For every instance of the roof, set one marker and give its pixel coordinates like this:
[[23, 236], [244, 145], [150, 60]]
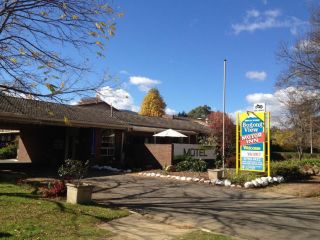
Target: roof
[[161, 123], [33, 111], [151, 124], [21, 110]]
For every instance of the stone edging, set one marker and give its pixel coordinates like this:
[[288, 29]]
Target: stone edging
[[258, 182]]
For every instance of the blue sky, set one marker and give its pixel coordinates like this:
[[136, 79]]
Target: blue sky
[[179, 46]]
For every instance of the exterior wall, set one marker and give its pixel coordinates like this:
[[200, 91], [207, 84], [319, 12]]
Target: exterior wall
[[41, 145], [147, 156], [22, 153], [161, 152], [49, 145]]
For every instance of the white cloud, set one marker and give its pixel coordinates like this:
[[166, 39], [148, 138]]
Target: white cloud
[[253, 13], [124, 72], [272, 13], [170, 111], [73, 102], [144, 84], [119, 98], [261, 76], [256, 20], [273, 102]]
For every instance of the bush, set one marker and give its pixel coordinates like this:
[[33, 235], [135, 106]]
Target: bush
[[191, 164], [278, 156], [241, 177], [75, 169], [290, 169], [309, 162], [178, 159], [9, 151], [55, 189]]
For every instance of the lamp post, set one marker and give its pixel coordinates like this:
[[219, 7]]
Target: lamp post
[[223, 115]]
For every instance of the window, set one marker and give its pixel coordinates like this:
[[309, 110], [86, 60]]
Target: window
[[107, 143]]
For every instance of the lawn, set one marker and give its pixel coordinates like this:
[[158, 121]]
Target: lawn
[[25, 215], [201, 235]]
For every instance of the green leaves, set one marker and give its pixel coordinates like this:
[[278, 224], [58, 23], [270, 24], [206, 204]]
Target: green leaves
[[75, 169], [51, 87]]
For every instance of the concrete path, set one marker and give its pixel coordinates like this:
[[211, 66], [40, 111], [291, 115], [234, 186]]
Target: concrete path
[[243, 213], [140, 227]]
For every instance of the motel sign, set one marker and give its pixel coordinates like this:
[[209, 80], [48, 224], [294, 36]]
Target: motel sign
[[253, 141]]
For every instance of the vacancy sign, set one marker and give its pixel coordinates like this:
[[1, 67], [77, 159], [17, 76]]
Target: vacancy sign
[[252, 141]]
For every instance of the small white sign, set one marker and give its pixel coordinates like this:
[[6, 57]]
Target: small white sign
[[193, 150], [259, 107], [250, 154]]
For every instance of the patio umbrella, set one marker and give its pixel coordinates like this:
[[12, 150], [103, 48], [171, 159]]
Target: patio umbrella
[[169, 133]]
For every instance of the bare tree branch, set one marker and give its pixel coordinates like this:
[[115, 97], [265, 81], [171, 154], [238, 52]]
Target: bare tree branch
[[33, 36]]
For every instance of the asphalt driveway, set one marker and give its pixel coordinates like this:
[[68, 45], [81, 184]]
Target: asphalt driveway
[[238, 212]]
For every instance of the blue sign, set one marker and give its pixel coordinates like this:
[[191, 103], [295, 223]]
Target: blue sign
[[252, 138]]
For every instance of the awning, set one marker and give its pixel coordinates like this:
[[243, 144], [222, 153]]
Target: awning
[[169, 133]]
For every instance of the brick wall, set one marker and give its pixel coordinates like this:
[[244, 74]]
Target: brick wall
[[147, 156], [161, 152]]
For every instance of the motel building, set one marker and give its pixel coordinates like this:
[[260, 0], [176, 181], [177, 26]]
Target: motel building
[[50, 132]]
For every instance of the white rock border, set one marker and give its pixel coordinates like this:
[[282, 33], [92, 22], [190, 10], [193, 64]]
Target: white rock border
[[263, 182], [258, 182]]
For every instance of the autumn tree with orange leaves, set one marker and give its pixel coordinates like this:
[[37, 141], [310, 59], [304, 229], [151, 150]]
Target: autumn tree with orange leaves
[[153, 104], [215, 123]]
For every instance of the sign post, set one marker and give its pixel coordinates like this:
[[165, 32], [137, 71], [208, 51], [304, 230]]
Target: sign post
[[252, 128]]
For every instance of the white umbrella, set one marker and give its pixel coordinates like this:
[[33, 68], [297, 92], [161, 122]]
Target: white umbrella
[[169, 133]]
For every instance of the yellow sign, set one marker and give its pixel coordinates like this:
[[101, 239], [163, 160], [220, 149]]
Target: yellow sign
[[251, 146]]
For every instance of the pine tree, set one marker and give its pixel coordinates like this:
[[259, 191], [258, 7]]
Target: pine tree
[[153, 104]]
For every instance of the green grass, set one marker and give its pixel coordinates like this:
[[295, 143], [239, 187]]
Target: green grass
[[201, 235], [25, 215]]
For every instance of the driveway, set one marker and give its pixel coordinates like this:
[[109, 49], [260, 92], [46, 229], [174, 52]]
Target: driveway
[[238, 212]]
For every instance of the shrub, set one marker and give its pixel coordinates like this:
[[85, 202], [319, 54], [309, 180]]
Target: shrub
[[191, 164], [75, 169], [293, 155], [9, 151], [290, 169], [241, 177], [231, 162], [310, 162], [178, 159], [55, 189]]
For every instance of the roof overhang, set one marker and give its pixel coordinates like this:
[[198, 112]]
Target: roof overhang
[[21, 119]]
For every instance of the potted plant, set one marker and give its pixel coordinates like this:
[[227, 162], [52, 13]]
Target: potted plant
[[77, 192], [217, 172]]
